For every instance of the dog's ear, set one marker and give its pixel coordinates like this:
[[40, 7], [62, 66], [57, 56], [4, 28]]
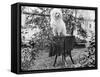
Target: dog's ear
[[51, 13]]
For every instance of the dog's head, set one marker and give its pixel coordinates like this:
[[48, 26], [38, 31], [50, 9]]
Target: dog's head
[[56, 14]]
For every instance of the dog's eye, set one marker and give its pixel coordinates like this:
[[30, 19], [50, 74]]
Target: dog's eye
[[57, 14]]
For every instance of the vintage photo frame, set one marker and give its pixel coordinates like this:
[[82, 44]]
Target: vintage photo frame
[[17, 65]]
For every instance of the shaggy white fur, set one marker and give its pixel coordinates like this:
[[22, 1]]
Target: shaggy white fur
[[57, 24]]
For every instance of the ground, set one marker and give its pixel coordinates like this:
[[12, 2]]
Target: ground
[[45, 62]]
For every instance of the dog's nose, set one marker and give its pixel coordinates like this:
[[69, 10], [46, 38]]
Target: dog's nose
[[57, 15]]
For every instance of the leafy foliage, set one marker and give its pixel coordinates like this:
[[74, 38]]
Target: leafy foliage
[[38, 31]]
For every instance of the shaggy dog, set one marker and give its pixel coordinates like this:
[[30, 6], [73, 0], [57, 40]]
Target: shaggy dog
[[57, 24], [59, 29]]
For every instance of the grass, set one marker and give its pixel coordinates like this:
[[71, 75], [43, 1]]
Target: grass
[[45, 62]]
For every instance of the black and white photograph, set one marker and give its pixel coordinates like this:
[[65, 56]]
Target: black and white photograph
[[56, 38], [49, 38]]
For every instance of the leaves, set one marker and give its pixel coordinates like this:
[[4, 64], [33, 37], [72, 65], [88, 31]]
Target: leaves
[[36, 35]]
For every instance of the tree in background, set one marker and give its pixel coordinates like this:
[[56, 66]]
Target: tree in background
[[36, 25]]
